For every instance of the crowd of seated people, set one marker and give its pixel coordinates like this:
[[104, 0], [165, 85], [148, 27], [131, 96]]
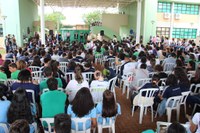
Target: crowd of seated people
[[139, 59]]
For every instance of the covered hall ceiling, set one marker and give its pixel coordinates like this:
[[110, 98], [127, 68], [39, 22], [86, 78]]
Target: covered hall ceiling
[[86, 3]]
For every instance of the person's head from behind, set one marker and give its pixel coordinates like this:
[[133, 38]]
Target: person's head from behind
[[62, 123], [181, 74], [109, 104], [21, 64], [158, 68], [20, 107], [3, 90], [176, 128], [19, 126], [52, 84], [98, 75], [24, 75], [48, 72], [78, 74], [155, 79], [191, 65], [83, 102], [12, 67], [143, 66], [171, 80]]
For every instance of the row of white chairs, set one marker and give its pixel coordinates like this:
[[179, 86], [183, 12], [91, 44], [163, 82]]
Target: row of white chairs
[[105, 124]]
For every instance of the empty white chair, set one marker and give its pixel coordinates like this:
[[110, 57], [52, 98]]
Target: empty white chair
[[169, 67], [34, 68], [83, 121], [107, 123], [183, 99], [144, 101], [49, 122], [173, 103], [63, 66], [97, 94], [5, 127], [111, 63], [88, 75]]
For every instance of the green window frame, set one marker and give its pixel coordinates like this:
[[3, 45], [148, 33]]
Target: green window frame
[[164, 7], [184, 33], [186, 9]]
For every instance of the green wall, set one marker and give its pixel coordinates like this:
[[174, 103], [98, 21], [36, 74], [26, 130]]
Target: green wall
[[20, 15], [28, 13]]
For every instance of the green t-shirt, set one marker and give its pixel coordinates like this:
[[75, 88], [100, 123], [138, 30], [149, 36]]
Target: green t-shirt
[[43, 84], [14, 75], [3, 76], [53, 103]]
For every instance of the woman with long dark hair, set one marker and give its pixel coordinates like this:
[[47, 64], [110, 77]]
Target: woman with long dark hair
[[20, 108], [183, 81], [109, 107], [83, 107], [36, 61]]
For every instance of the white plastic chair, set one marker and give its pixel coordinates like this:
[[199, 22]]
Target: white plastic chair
[[145, 101], [97, 94], [111, 63], [183, 99], [194, 89], [112, 83], [49, 122], [37, 75], [173, 103], [83, 121], [117, 69], [169, 67], [34, 68], [142, 82], [164, 125], [69, 76], [189, 76], [63, 66], [126, 83], [3, 81], [88, 75], [107, 123], [5, 128], [99, 58]]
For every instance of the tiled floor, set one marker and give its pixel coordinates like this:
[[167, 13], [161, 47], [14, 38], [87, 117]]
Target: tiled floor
[[125, 123]]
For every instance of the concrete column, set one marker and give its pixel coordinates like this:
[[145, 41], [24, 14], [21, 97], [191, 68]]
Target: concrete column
[[198, 29], [172, 20], [42, 22], [138, 27]]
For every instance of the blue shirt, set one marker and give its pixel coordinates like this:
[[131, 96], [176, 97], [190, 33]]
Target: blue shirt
[[99, 109], [4, 106], [172, 91], [91, 114]]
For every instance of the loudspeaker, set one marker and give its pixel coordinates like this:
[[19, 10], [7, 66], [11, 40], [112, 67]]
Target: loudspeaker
[[51, 32], [102, 32]]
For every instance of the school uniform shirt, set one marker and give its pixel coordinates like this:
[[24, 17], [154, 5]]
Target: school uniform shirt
[[3, 75], [99, 109], [3, 111], [14, 75], [91, 114], [97, 84], [53, 103], [43, 84], [172, 91], [196, 121]]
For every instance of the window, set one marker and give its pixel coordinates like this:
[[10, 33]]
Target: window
[[186, 9], [164, 7], [184, 33], [163, 31]]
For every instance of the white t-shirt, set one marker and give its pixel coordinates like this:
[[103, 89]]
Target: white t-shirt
[[97, 84], [129, 67], [73, 84], [196, 121]]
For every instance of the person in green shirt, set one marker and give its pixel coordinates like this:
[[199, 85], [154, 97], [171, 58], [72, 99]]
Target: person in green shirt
[[52, 101], [48, 73], [2, 74], [14, 71]]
